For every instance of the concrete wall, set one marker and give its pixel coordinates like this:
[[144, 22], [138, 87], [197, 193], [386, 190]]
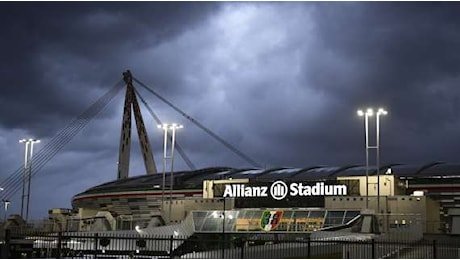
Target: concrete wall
[[433, 217], [395, 211], [388, 185]]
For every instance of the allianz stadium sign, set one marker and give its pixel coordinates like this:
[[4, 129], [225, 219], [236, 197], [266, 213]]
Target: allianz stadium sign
[[279, 190]]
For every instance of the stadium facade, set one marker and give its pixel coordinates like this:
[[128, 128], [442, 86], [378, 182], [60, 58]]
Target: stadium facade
[[430, 192], [141, 201]]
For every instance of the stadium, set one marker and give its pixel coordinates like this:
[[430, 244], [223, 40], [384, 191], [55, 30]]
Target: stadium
[[397, 194], [141, 199], [216, 208]]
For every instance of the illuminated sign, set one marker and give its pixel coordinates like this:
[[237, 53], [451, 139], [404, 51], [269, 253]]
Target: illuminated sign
[[279, 190]]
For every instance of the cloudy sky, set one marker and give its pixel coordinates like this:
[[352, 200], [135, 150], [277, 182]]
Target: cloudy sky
[[279, 81]]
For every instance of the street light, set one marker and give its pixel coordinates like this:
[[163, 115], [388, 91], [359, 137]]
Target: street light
[[6, 203], [165, 131], [223, 231], [173, 128], [381, 111], [27, 177], [369, 112]]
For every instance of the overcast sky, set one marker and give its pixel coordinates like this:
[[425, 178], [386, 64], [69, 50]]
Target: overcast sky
[[279, 81]]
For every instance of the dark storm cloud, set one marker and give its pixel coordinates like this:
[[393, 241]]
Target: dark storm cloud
[[280, 81], [52, 50], [57, 58], [404, 57]]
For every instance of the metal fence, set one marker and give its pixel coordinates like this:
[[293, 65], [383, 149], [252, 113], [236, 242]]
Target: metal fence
[[105, 245]]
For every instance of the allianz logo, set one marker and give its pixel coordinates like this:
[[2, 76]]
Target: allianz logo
[[279, 190]]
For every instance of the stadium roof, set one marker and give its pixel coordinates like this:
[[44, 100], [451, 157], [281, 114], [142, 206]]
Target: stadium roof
[[194, 179]]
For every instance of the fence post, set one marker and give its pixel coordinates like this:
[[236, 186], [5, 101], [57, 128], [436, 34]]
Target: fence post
[[96, 236], [308, 248], [59, 241], [373, 249], [434, 248], [171, 240], [223, 246], [242, 248], [7, 243]]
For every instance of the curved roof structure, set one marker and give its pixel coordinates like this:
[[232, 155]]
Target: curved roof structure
[[194, 179], [141, 195]]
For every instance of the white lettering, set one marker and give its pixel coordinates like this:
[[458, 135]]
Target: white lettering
[[264, 192], [295, 189], [228, 191], [340, 190], [241, 191], [247, 192], [315, 190], [307, 191]]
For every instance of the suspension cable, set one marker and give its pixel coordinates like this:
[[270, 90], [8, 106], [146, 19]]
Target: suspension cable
[[158, 121], [215, 136], [14, 182]]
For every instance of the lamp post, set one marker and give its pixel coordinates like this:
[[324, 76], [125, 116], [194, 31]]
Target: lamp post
[[165, 145], [27, 176], [223, 230], [173, 128], [381, 111], [6, 203], [26, 155], [369, 112]]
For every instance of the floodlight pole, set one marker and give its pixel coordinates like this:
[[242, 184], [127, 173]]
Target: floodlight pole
[[165, 156], [173, 140], [30, 175], [378, 160], [369, 112], [223, 230], [24, 175], [381, 111], [27, 176], [173, 128], [6, 203], [367, 158]]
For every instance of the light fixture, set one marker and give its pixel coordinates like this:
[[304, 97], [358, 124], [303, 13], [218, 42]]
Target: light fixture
[[27, 176], [173, 127]]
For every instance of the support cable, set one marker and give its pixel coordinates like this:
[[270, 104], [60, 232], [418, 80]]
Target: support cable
[[158, 121], [215, 136], [14, 182], [16, 178]]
